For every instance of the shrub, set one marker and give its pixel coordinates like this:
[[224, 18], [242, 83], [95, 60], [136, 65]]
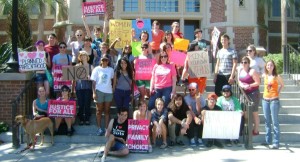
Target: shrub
[[278, 59], [3, 127]]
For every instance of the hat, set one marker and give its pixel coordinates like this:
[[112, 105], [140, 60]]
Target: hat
[[212, 96], [197, 30], [38, 42], [226, 87], [193, 85], [104, 57]]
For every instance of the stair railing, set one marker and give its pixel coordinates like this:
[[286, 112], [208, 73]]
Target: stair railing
[[293, 64]]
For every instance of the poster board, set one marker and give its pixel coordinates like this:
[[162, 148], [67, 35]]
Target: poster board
[[140, 25], [177, 57], [143, 68], [65, 109], [58, 78], [32, 61], [181, 44], [138, 135], [75, 73], [120, 29], [215, 38], [198, 62], [93, 8]]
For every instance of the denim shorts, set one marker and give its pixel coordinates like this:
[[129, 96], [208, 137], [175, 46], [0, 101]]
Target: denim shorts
[[40, 77], [103, 97], [118, 146]]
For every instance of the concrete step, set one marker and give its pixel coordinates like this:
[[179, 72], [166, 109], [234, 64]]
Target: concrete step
[[284, 118], [284, 137], [285, 110]]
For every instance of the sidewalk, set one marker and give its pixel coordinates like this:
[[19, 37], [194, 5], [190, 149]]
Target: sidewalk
[[88, 153]]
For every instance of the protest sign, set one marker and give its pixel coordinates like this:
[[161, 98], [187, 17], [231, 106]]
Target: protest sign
[[221, 124], [65, 109], [136, 48], [76, 73], [120, 29], [143, 68], [58, 78], [181, 44], [138, 135], [215, 38], [31, 61], [140, 25], [93, 8], [178, 58], [198, 62]]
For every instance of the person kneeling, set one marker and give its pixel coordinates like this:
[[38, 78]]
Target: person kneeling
[[116, 135]]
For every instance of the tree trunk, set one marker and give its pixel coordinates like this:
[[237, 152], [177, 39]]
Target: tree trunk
[[284, 37], [41, 20]]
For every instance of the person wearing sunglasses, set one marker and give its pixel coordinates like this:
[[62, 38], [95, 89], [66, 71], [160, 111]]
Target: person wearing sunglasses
[[228, 102], [163, 80], [62, 58], [76, 45], [249, 81], [257, 63], [195, 102]]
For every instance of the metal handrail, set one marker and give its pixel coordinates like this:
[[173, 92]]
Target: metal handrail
[[293, 64], [27, 95]]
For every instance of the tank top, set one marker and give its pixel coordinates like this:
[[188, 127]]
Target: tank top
[[270, 88], [119, 130], [123, 82], [42, 106], [248, 80], [91, 60]]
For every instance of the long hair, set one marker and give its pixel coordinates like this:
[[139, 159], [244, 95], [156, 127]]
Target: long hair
[[253, 48], [172, 104], [159, 60], [128, 68], [165, 36], [274, 72]]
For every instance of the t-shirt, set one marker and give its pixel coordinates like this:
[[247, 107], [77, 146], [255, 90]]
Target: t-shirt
[[216, 108], [163, 74], [179, 113], [156, 40], [61, 59], [102, 77], [226, 57], [258, 65], [192, 102], [202, 44], [120, 130], [52, 50], [231, 104], [75, 46]]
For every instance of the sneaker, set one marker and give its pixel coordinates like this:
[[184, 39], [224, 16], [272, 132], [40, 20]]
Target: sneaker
[[103, 159], [163, 146], [275, 146], [237, 143], [228, 143], [150, 148], [100, 153], [192, 142], [218, 144], [172, 143], [100, 132], [200, 143], [180, 143]]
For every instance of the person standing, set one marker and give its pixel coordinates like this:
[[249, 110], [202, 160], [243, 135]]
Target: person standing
[[256, 63], [76, 45], [52, 48], [157, 37], [225, 66], [273, 84]]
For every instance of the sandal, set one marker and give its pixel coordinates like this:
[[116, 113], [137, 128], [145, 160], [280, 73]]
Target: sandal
[[164, 145]]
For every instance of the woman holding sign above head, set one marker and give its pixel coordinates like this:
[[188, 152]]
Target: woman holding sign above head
[[176, 30], [84, 90], [76, 45]]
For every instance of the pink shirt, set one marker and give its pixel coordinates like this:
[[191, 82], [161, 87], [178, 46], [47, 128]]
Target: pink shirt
[[163, 74]]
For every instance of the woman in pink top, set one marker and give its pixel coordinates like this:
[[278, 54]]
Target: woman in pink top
[[163, 81]]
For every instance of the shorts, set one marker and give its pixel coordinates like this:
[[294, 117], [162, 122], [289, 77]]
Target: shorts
[[103, 97], [255, 97], [118, 146], [143, 83], [40, 77]]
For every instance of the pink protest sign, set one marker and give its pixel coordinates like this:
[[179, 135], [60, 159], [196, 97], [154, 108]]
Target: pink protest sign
[[31, 61], [58, 78], [138, 135], [178, 58], [93, 8], [143, 68], [57, 108]]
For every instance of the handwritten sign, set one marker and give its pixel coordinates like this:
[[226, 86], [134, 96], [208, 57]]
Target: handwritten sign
[[120, 29], [138, 135], [143, 69], [57, 108], [58, 78], [75, 72], [198, 62], [136, 48], [215, 38], [181, 44], [141, 25], [221, 124], [178, 58], [93, 8], [30, 61]]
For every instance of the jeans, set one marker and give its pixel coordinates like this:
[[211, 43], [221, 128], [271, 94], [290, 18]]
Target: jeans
[[84, 97], [164, 93], [195, 130], [271, 110], [122, 98]]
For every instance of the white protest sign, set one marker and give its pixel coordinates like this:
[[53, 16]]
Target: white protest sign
[[215, 38], [198, 62]]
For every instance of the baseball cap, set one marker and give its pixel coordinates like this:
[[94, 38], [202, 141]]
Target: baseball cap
[[228, 87]]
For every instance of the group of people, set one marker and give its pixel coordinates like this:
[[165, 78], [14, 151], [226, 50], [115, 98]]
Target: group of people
[[112, 76]]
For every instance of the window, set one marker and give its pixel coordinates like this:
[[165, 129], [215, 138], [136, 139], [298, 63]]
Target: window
[[130, 5], [161, 5], [297, 8], [242, 3], [276, 8], [192, 6]]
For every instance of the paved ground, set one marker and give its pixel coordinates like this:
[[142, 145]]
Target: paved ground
[[61, 152]]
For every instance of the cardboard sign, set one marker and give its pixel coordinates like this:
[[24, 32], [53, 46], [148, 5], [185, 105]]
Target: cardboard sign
[[138, 135], [181, 44], [120, 29], [65, 109], [198, 62], [75, 73], [215, 38], [222, 124], [143, 69], [31, 61], [93, 8], [136, 48], [139, 26], [178, 58], [58, 78]]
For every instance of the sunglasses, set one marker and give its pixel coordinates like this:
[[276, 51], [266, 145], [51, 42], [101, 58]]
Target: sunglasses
[[244, 62], [226, 90], [62, 47], [78, 35], [165, 56], [248, 50], [192, 90]]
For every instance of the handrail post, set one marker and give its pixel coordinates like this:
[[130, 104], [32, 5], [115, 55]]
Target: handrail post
[[15, 139], [249, 114]]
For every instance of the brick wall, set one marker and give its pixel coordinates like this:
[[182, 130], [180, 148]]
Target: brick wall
[[217, 11], [242, 37]]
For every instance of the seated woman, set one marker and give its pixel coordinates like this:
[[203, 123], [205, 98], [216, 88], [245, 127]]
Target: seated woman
[[65, 96], [40, 105], [158, 121]]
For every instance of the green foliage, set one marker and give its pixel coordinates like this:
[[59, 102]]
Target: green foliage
[[278, 59], [5, 52], [3, 127]]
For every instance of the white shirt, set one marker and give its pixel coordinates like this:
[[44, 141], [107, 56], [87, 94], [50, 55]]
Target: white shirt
[[102, 77]]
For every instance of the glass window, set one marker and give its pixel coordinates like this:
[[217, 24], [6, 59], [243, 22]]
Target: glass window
[[130, 5], [242, 3], [276, 8], [192, 6], [161, 5], [297, 8]]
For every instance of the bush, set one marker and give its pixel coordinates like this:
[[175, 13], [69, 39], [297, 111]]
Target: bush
[[3, 127], [278, 59]]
